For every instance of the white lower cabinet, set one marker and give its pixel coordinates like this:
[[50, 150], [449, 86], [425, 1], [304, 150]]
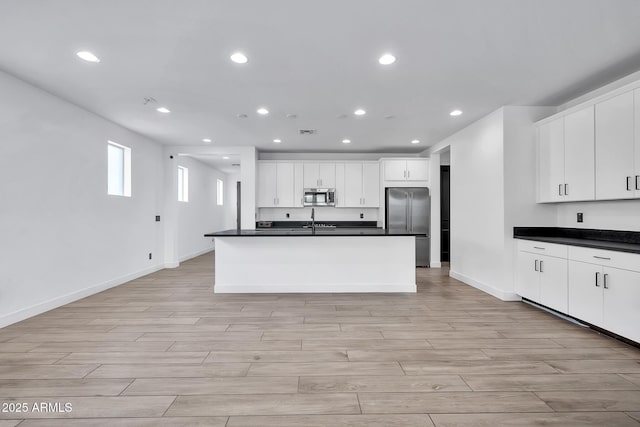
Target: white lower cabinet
[[543, 279], [606, 297], [621, 302]]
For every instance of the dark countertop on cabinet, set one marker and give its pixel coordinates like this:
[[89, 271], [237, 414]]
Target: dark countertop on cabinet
[[611, 240], [306, 232]]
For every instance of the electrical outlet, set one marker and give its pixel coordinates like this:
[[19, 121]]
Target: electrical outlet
[[150, 255], [580, 217], [361, 215], [157, 218], [287, 214]]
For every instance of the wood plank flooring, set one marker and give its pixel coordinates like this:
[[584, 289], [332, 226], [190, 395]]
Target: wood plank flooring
[[163, 350]]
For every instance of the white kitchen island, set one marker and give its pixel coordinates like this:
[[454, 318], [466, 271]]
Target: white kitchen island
[[300, 261]]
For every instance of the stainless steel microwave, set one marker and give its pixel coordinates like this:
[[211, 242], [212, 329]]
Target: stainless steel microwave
[[319, 197]]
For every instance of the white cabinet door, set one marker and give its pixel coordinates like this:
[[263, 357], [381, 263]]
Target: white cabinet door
[[311, 175], [298, 185], [284, 185], [622, 302], [267, 185], [637, 142], [585, 292], [371, 185], [579, 156], [327, 175], [551, 161], [417, 170], [553, 283], [615, 172], [527, 278], [395, 170], [353, 184]]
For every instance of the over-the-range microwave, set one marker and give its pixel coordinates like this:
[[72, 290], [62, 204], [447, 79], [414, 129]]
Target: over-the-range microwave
[[319, 197]]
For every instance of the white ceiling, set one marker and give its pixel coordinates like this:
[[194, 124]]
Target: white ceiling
[[316, 59]]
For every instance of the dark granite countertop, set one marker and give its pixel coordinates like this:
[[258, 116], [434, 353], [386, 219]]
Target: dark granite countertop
[[611, 240], [305, 232]]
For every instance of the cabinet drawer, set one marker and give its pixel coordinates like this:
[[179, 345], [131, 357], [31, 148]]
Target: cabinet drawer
[[542, 248], [622, 260]]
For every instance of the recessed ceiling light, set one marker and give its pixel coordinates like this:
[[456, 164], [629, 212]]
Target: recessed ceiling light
[[239, 58], [455, 113], [346, 141], [88, 56], [387, 59], [206, 140], [263, 111], [277, 141], [415, 141], [359, 112], [163, 110], [225, 157]]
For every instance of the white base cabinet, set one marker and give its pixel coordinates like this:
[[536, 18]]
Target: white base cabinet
[[606, 297], [542, 278], [596, 286]]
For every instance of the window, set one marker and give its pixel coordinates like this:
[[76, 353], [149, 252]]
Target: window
[[183, 184], [118, 169], [219, 193]]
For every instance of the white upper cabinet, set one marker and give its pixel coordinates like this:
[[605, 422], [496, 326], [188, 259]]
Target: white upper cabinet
[[636, 176], [371, 184], [551, 161], [592, 153], [566, 161], [406, 170], [362, 184], [615, 169], [579, 157], [275, 185], [319, 175], [267, 184]]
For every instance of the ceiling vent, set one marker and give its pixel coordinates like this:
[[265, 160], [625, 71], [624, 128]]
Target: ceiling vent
[[307, 131]]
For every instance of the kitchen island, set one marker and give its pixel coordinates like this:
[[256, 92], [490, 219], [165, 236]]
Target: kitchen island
[[302, 260]]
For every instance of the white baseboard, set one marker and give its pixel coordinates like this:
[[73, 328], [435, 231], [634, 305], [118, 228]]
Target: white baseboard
[[45, 306], [504, 296], [436, 264], [226, 288], [194, 254]]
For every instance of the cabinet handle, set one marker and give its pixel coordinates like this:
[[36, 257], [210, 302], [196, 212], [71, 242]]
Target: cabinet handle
[[559, 189], [602, 257], [597, 276], [541, 264], [363, 201], [628, 183], [408, 174], [405, 174], [535, 267], [566, 189], [538, 247], [606, 285], [637, 182]]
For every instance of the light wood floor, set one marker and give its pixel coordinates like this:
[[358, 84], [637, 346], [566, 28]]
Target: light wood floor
[[163, 350]]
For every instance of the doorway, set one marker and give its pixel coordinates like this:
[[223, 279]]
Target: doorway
[[238, 206], [445, 204]]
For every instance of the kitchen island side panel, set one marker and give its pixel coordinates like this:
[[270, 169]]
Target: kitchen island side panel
[[305, 264]]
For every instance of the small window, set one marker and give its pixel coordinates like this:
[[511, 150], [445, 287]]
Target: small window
[[183, 184], [220, 192], [118, 169]]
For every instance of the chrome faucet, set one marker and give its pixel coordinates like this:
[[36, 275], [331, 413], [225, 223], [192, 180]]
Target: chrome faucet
[[313, 220]]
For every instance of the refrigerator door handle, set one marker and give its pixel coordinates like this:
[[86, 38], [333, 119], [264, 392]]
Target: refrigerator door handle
[[411, 212]]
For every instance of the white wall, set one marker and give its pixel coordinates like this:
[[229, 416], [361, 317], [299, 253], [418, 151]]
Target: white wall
[[492, 190], [230, 200], [609, 215], [477, 203], [201, 214], [63, 237], [323, 214]]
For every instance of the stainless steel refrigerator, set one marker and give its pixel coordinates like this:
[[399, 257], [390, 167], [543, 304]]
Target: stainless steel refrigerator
[[409, 209]]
